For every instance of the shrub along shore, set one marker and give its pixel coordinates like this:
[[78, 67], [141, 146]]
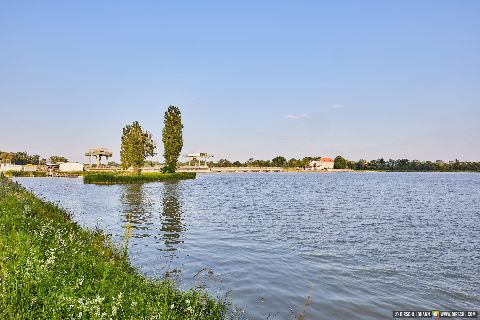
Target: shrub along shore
[[117, 178], [51, 268], [25, 174]]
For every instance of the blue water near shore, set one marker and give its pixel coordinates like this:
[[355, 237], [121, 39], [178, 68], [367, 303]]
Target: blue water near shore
[[279, 245]]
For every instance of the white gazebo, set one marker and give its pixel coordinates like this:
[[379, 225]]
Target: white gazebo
[[97, 153]]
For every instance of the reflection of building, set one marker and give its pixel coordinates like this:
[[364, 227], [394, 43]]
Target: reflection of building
[[97, 153], [197, 158]]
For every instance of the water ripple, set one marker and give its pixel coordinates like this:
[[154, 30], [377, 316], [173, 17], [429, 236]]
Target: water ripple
[[322, 246]]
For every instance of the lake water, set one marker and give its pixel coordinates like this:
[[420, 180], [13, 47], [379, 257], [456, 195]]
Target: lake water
[[287, 245]]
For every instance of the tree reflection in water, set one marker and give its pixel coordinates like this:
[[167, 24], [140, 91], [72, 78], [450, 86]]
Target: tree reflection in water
[[172, 216], [137, 209], [147, 216]]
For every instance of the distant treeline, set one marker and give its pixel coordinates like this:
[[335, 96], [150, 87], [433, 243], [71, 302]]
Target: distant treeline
[[275, 162], [20, 158], [342, 163], [23, 158], [413, 165]]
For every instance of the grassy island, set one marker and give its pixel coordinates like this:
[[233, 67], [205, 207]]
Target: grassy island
[[51, 268], [119, 178]]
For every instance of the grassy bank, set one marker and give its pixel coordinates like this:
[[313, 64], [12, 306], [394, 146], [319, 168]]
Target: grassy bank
[[50, 268], [25, 174], [116, 178]]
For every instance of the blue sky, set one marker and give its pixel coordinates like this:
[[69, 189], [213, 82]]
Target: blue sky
[[362, 79]]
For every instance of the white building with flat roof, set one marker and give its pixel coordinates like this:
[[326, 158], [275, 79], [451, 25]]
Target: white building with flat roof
[[321, 164], [70, 167], [315, 165]]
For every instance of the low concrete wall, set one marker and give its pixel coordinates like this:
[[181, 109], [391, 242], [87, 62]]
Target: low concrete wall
[[10, 167]]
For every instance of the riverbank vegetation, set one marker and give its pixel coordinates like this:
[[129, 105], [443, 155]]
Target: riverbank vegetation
[[413, 165], [125, 178], [20, 158], [23, 158], [342, 163], [51, 268], [25, 174]]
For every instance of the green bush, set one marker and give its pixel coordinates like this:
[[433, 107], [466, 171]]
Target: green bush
[[26, 174]]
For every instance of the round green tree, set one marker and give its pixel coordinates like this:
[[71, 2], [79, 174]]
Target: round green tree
[[279, 161], [57, 159], [136, 146], [339, 163], [172, 138]]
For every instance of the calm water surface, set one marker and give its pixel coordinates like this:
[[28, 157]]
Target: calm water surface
[[282, 245]]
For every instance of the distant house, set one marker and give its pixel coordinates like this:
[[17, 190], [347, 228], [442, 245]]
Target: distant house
[[315, 165], [320, 164], [327, 163]]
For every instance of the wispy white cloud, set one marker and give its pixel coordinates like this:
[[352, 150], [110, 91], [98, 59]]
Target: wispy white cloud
[[296, 116], [338, 106]]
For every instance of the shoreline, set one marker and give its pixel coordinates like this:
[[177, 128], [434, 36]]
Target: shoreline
[[51, 268]]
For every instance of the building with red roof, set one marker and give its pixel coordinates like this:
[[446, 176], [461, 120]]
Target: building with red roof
[[327, 163], [321, 164]]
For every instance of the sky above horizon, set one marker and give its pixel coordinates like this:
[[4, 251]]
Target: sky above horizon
[[253, 79]]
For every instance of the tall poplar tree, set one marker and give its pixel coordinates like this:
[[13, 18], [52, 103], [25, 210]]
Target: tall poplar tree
[[136, 146], [172, 138]]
